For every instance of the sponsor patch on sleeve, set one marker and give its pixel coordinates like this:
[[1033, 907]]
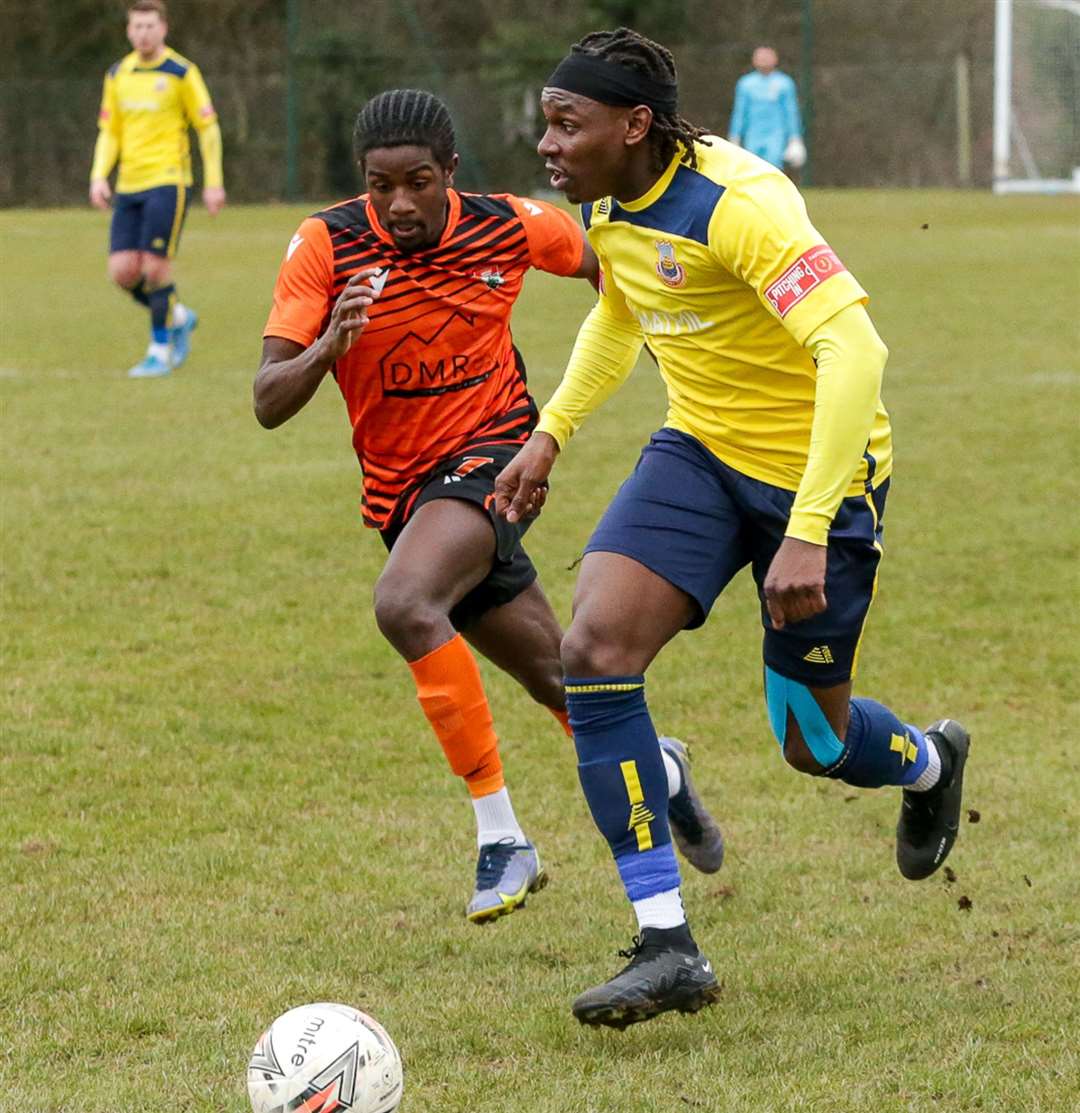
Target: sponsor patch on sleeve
[[808, 271]]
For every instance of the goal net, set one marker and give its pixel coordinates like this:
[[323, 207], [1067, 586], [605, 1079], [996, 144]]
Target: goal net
[[1037, 96]]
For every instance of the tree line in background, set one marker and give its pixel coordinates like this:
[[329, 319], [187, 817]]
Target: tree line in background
[[882, 80]]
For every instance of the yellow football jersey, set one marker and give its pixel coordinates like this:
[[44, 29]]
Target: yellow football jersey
[[148, 110], [724, 275]]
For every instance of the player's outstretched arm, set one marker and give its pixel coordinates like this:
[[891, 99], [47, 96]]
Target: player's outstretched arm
[[106, 147], [590, 265], [290, 373], [213, 193], [850, 358], [737, 124], [604, 354]]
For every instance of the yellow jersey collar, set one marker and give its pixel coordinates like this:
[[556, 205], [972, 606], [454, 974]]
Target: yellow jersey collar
[[139, 65], [656, 190]]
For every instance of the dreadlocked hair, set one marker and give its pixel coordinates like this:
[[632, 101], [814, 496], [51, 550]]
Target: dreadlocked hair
[[405, 118], [636, 52]]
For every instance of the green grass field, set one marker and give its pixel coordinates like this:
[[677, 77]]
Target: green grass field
[[219, 799]]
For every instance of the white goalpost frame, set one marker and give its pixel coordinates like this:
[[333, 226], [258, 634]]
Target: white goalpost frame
[[1006, 133]]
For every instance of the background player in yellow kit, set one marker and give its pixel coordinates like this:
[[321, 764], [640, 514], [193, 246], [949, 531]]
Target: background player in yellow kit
[[775, 452], [150, 99]]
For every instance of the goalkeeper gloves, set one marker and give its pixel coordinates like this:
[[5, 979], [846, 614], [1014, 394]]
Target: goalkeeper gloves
[[795, 152]]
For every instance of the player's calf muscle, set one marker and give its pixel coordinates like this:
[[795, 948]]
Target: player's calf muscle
[[798, 756], [543, 680]]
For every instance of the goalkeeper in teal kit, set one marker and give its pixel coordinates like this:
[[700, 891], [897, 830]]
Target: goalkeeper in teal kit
[[765, 119]]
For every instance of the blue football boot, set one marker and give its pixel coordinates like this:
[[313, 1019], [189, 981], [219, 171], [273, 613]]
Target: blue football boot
[[506, 873], [150, 367], [696, 832], [180, 338]]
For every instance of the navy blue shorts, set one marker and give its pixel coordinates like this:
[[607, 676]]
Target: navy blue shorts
[[150, 220], [696, 522]]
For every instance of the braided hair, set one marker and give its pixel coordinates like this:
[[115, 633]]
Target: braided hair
[[405, 118], [636, 52]]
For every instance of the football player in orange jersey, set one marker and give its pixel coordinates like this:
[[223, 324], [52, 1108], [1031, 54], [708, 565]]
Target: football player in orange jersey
[[404, 295]]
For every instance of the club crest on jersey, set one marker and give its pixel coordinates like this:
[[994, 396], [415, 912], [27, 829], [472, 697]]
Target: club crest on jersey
[[492, 278], [668, 267]]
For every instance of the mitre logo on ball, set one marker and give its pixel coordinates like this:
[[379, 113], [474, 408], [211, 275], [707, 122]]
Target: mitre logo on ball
[[325, 1058]]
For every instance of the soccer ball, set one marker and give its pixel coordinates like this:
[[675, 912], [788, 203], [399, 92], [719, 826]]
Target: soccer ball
[[325, 1059]]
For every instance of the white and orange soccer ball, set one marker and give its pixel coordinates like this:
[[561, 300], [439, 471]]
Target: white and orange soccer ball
[[325, 1059]]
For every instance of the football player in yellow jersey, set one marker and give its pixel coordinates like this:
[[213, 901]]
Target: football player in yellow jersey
[[775, 453], [149, 100]]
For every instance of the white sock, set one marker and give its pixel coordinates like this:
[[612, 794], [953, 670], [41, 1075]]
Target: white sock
[[495, 819], [931, 774], [158, 351], [179, 315], [674, 774], [664, 910]]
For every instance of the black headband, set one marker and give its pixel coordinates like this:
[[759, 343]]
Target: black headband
[[612, 83]]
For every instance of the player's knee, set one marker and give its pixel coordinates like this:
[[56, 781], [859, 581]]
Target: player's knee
[[590, 650], [402, 619], [125, 272], [155, 270]]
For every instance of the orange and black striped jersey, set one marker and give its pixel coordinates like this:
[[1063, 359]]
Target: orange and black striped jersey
[[435, 372]]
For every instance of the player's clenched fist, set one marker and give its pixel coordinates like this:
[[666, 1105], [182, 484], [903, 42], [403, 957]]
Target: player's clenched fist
[[349, 316], [521, 487], [795, 583], [100, 193]]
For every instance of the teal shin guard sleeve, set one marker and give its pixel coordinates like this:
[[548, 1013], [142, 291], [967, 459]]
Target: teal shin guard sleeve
[[776, 703], [782, 695]]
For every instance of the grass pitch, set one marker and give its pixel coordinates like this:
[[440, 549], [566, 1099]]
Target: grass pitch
[[218, 798]]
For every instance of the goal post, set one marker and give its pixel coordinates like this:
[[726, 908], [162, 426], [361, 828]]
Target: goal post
[[1037, 96]]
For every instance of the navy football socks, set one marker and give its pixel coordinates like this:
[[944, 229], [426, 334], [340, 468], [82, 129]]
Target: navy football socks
[[159, 312], [879, 749], [138, 292], [622, 774]]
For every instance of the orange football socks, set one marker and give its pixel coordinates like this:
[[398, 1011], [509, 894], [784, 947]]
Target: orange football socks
[[450, 691]]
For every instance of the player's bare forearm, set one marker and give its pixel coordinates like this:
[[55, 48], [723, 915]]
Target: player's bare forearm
[[521, 487], [287, 379], [290, 373], [590, 266]]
